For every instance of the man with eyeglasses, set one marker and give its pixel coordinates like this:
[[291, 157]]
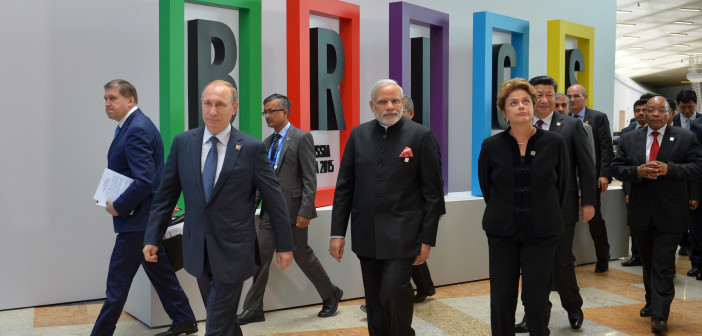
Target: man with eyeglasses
[[658, 160], [603, 153], [292, 155], [390, 184]]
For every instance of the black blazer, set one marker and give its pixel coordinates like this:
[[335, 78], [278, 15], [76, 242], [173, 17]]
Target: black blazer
[[604, 151], [549, 180], [394, 202], [664, 200], [579, 161]]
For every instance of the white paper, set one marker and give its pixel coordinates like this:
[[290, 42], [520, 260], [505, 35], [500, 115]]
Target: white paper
[[174, 230], [112, 184]]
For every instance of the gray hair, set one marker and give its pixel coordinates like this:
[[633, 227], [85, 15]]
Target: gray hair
[[559, 95], [381, 83], [126, 89], [409, 104], [282, 100]]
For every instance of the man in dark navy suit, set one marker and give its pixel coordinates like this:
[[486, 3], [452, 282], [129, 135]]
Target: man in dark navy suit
[[136, 152], [218, 169]]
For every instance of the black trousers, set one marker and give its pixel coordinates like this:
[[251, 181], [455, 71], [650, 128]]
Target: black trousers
[[422, 279], [534, 257], [564, 271], [389, 302], [657, 250], [598, 232]]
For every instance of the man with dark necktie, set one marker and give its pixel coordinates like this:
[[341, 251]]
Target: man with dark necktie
[[137, 152], [292, 156], [218, 170]]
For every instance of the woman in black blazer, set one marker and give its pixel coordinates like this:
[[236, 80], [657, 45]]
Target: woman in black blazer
[[523, 174]]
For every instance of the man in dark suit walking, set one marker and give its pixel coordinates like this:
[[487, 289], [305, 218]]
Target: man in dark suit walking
[[136, 152], [658, 160], [292, 155], [580, 198], [603, 154], [390, 184], [218, 169], [687, 118]]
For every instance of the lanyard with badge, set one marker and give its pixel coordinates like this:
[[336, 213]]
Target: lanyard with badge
[[277, 151]]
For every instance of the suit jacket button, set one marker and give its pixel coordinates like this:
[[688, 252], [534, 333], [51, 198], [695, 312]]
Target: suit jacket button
[[377, 197], [384, 136]]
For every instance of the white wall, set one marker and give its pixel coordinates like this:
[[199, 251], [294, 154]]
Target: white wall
[[626, 92], [56, 55]]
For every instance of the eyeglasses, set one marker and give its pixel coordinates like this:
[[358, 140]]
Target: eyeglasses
[[576, 96], [270, 112], [661, 111]]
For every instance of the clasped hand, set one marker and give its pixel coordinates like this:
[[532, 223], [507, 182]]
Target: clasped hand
[[652, 170]]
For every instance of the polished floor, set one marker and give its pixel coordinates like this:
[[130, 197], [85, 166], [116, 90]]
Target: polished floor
[[612, 303]]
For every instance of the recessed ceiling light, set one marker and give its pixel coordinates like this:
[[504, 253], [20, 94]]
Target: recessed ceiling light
[[665, 75], [647, 59], [685, 82], [631, 36], [636, 48], [624, 11], [677, 34], [690, 9], [683, 22], [681, 45], [630, 24]]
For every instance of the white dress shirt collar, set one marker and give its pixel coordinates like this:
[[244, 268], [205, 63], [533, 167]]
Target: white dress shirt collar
[[121, 122]]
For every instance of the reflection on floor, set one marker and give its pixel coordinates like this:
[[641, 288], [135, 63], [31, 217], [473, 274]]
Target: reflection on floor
[[612, 303]]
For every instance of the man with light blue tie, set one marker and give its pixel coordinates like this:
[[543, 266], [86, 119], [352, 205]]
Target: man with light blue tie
[[218, 169], [136, 152], [687, 117]]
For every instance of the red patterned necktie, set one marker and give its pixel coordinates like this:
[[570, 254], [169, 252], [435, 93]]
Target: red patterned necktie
[[654, 147]]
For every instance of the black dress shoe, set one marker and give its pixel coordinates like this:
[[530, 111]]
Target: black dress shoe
[[363, 308], [659, 326], [576, 319], [330, 305], [693, 271], [521, 327], [180, 329], [645, 311], [699, 276], [682, 251], [421, 297], [601, 267], [250, 316], [634, 261]]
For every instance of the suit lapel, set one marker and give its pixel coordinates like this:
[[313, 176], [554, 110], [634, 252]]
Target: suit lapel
[[556, 123], [286, 143], [230, 158], [195, 151], [588, 116], [123, 130], [641, 133], [668, 138]]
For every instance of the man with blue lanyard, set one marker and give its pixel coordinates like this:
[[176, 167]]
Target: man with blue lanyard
[[291, 152]]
